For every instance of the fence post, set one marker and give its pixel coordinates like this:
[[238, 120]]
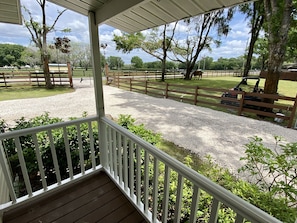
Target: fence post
[[30, 81], [146, 87], [53, 79], [4, 80], [69, 75], [196, 95], [118, 77], [241, 102], [130, 84], [290, 123], [37, 79], [166, 93]]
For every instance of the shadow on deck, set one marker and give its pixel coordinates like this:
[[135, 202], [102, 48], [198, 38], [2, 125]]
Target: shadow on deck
[[93, 199]]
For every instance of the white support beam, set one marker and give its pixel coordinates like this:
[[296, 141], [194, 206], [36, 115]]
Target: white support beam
[[98, 85], [96, 62]]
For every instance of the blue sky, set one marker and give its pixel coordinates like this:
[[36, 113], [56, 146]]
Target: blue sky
[[232, 46]]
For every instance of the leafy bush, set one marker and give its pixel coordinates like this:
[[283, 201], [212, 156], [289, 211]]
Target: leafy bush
[[265, 200], [28, 148], [274, 177], [273, 170], [129, 123]]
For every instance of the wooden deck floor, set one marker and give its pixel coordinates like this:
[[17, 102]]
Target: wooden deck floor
[[96, 199]]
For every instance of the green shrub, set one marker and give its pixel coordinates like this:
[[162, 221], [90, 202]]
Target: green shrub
[[273, 170], [129, 123], [265, 200], [28, 148]]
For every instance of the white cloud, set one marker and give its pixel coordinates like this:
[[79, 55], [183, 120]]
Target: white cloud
[[117, 32], [229, 49], [232, 46], [77, 25]]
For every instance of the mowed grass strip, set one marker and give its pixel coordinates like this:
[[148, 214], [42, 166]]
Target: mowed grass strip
[[12, 93], [286, 88]]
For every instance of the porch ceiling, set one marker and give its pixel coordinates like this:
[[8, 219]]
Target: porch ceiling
[[136, 15], [10, 11]]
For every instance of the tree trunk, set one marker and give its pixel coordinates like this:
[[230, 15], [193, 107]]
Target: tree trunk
[[164, 64], [188, 71], [278, 18], [48, 83], [254, 38], [271, 83], [256, 21], [188, 75], [163, 70], [247, 65]]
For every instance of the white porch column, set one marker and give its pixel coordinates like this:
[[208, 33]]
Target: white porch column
[[98, 86], [5, 178], [96, 62]]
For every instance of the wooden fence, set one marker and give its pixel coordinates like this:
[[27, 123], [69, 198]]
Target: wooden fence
[[283, 109], [34, 79], [156, 74], [284, 75]]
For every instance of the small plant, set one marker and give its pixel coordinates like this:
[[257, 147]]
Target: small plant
[[3, 126], [129, 123], [273, 170]]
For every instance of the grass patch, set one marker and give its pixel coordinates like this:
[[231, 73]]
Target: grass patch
[[179, 153], [81, 72], [287, 88], [31, 92]]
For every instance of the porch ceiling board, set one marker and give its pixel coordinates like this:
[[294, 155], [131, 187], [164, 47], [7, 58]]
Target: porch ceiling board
[[10, 11], [136, 15]]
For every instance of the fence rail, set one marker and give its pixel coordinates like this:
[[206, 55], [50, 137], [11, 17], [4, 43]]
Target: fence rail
[[282, 110], [34, 79], [156, 74]]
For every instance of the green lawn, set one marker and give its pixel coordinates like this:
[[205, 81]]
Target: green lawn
[[286, 88], [31, 92], [81, 72]]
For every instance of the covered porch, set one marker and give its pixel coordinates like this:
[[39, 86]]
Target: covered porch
[[140, 171], [93, 199], [134, 169]]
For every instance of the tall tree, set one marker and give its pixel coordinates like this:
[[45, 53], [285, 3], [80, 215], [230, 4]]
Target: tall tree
[[261, 49], [10, 54], [115, 62], [137, 62], [157, 43], [39, 31], [278, 14], [187, 51], [30, 56], [255, 13]]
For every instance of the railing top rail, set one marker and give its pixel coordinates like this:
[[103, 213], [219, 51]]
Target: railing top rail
[[28, 131], [239, 205]]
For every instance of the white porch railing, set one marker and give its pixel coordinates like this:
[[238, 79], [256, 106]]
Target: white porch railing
[[137, 167]]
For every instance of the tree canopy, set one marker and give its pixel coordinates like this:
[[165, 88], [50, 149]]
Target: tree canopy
[[10, 55], [157, 43], [137, 62], [39, 30]]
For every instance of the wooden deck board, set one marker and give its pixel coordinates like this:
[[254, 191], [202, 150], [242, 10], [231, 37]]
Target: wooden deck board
[[96, 199]]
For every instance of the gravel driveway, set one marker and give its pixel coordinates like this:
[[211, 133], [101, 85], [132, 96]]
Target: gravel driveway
[[202, 130]]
